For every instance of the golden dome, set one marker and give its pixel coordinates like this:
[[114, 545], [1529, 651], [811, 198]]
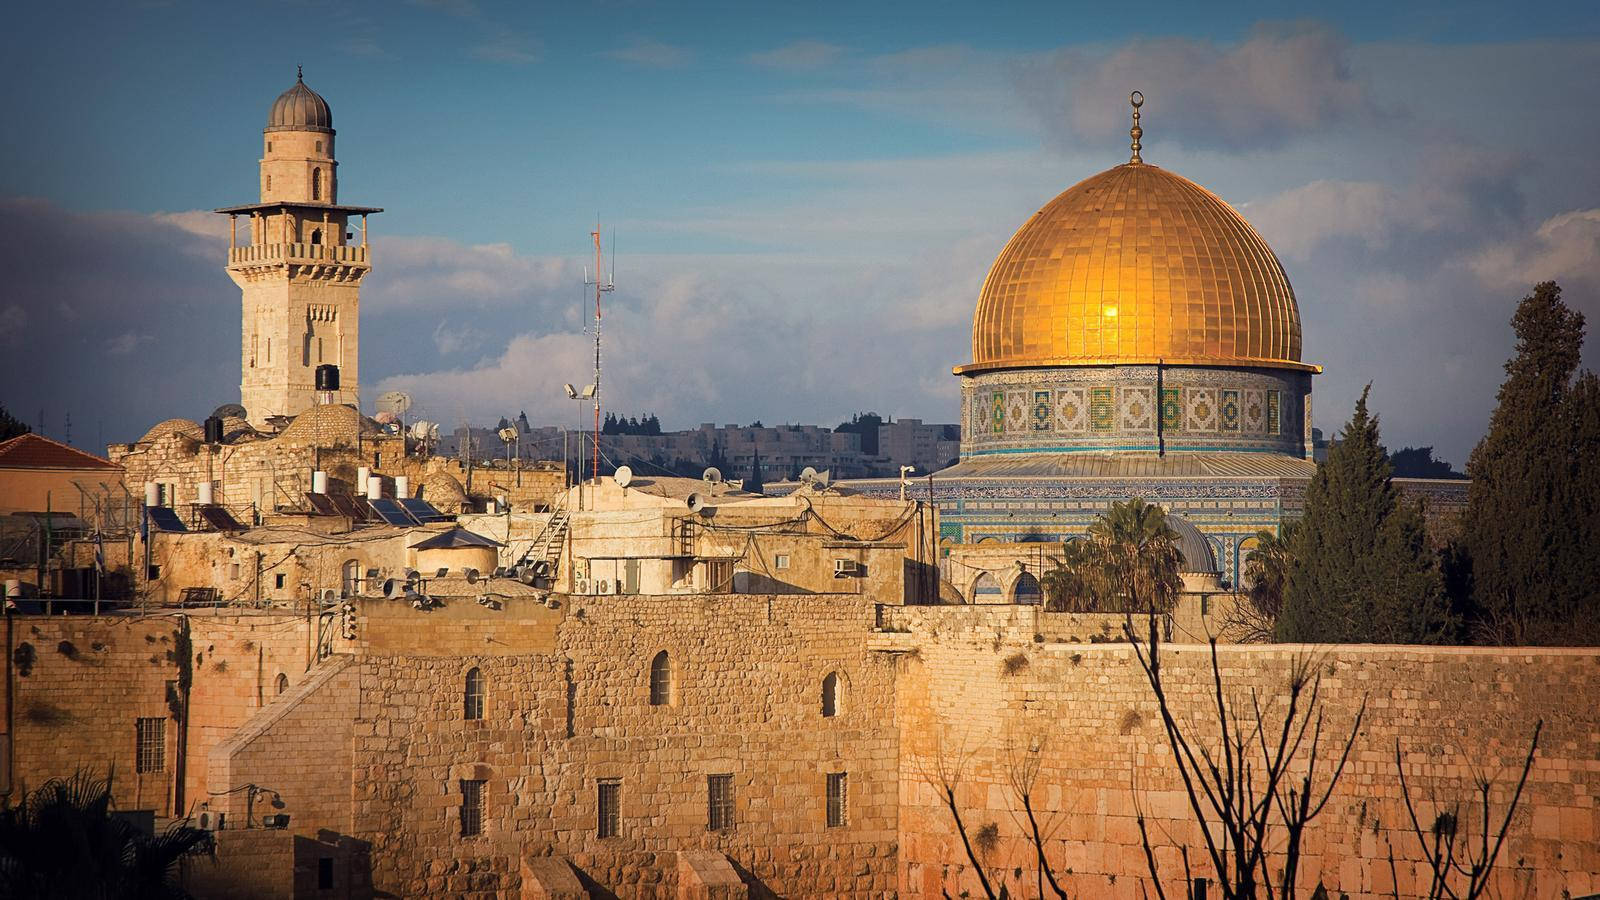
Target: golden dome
[[1136, 265]]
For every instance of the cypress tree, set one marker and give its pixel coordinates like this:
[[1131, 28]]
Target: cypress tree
[[1531, 508], [1362, 570]]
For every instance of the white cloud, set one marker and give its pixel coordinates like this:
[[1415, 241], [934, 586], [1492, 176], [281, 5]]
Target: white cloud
[[798, 56], [651, 53], [508, 46], [1564, 248], [1278, 83]]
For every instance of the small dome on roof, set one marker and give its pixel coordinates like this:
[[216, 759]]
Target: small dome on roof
[[329, 425], [1192, 546], [300, 109], [185, 427]]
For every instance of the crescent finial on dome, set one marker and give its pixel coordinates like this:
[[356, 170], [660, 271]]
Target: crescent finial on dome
[[1137, 99]]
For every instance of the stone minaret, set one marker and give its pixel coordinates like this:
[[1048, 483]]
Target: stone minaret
[[298, 265]]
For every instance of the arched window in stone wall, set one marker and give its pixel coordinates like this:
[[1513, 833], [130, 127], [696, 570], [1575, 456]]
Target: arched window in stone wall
[[283, 682], [985, 589], [316, 184], [474, 695], [831, 695], [1026, 590], [351, 577], [661, 680]]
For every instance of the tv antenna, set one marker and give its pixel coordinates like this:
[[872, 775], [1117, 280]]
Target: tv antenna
[[602, 286]]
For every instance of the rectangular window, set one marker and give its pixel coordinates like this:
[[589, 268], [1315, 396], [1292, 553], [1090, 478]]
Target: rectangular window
[[719, 576], [1274, 426], [471, 807], [151, 750], [609, 797], [781, 561], [719, 802], [838, 799]]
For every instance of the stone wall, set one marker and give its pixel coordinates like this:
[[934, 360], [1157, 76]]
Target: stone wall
[[78, 686], [567, 702], [975, 695]]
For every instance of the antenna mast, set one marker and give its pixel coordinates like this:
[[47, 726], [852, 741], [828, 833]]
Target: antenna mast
[[602, 286]]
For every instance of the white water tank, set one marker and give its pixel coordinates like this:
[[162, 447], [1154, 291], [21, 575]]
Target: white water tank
[[375, 487], [319, 482], [205, 493], [152, 494], [402, 486]]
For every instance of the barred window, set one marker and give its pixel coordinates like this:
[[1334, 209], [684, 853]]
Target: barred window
[[609, 802], [471, 807], [838, 799], [719, 802], [661, 680], [152, 744], [474, 695]]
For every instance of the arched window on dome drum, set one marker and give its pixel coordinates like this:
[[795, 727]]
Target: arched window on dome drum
[[830, 695], [316, 184], [1026, 590], [283, 682], [474, 695], [661, 680]]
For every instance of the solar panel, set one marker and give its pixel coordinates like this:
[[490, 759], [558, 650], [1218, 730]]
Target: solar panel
[[423, 511], [321, 505], [390, 512], [348, 507], [220, 519], [164, 519]]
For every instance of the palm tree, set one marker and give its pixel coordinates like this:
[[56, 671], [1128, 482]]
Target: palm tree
[[1266, 571], [1139, 552], [1076, 581], [62, 841]]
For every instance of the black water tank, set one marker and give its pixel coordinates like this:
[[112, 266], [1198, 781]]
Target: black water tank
[[327, 378], [213, 430]]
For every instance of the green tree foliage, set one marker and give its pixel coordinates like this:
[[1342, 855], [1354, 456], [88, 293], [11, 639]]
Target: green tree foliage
[[1362, 572], [1128, 563], [62, 841], [11, 426], [1418, 462], [1531, 524]]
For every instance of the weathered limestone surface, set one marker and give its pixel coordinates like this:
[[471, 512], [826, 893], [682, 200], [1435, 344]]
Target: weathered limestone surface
[[968, 708]]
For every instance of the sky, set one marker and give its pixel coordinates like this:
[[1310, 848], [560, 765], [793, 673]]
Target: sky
[[804, 198]]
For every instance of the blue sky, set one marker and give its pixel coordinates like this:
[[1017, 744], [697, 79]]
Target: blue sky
[[806, 197]]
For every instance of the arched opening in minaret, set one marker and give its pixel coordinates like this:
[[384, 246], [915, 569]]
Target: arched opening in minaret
[[316, 184]]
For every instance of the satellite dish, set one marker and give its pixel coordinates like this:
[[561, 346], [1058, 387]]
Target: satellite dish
[[712, 475], [623, 476], [808, 474], [396, 402], [230, 411]]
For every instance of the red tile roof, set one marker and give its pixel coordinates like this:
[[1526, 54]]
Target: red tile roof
[[30, 451]]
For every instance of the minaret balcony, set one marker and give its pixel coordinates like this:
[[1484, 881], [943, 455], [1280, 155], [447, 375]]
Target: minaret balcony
[[299, 254]]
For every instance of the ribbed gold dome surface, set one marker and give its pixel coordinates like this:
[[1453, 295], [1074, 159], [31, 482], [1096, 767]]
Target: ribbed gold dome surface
[[1136, 265]]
